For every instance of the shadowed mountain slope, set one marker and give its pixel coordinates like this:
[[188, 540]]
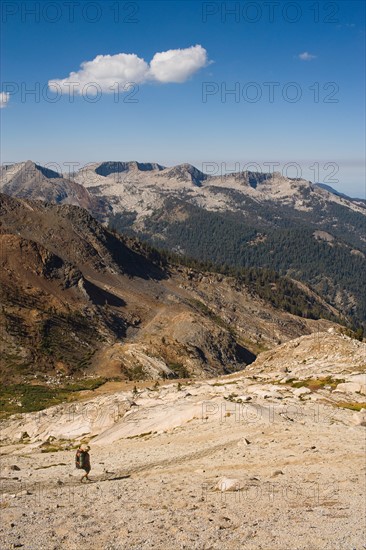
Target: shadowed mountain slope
[[78, 299]]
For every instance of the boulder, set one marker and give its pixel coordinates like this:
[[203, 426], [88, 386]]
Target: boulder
[[351, 387], [228, 484], [265, 394], [276, 473], [23, 493], [359, 419], [5, 496], [301, 391], [359, 378]]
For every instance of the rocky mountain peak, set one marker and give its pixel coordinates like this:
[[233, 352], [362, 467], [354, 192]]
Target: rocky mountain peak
[[186, 172], [31, 166], [256, 178], [114, 167], [32, 181]]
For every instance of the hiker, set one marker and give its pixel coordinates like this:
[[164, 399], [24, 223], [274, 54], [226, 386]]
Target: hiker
[[82, 461]]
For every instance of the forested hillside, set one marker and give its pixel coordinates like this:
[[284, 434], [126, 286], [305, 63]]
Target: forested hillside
[[330, 265]]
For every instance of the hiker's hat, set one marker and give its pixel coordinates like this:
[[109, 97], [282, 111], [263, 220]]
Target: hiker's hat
[[84, 447]]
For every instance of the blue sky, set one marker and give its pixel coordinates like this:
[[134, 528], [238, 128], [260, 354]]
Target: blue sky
[[310, 55]]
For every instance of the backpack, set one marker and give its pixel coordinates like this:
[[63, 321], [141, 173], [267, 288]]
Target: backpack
[[79, 459]]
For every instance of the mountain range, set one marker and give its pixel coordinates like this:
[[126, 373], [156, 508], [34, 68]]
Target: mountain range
[[78, 299], [306, 231]]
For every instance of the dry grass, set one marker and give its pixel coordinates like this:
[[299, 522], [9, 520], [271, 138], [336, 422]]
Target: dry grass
[[353, 406], [315, 384]]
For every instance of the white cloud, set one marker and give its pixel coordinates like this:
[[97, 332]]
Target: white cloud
[[4, 99], [306, 56], [177, 65], [107, 71]]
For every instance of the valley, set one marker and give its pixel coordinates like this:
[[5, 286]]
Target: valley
[[78, 300]]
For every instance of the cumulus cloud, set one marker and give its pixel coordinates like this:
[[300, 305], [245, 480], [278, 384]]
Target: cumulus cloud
[[306, 56], [108, 71], [4, 99], [177, 65]]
